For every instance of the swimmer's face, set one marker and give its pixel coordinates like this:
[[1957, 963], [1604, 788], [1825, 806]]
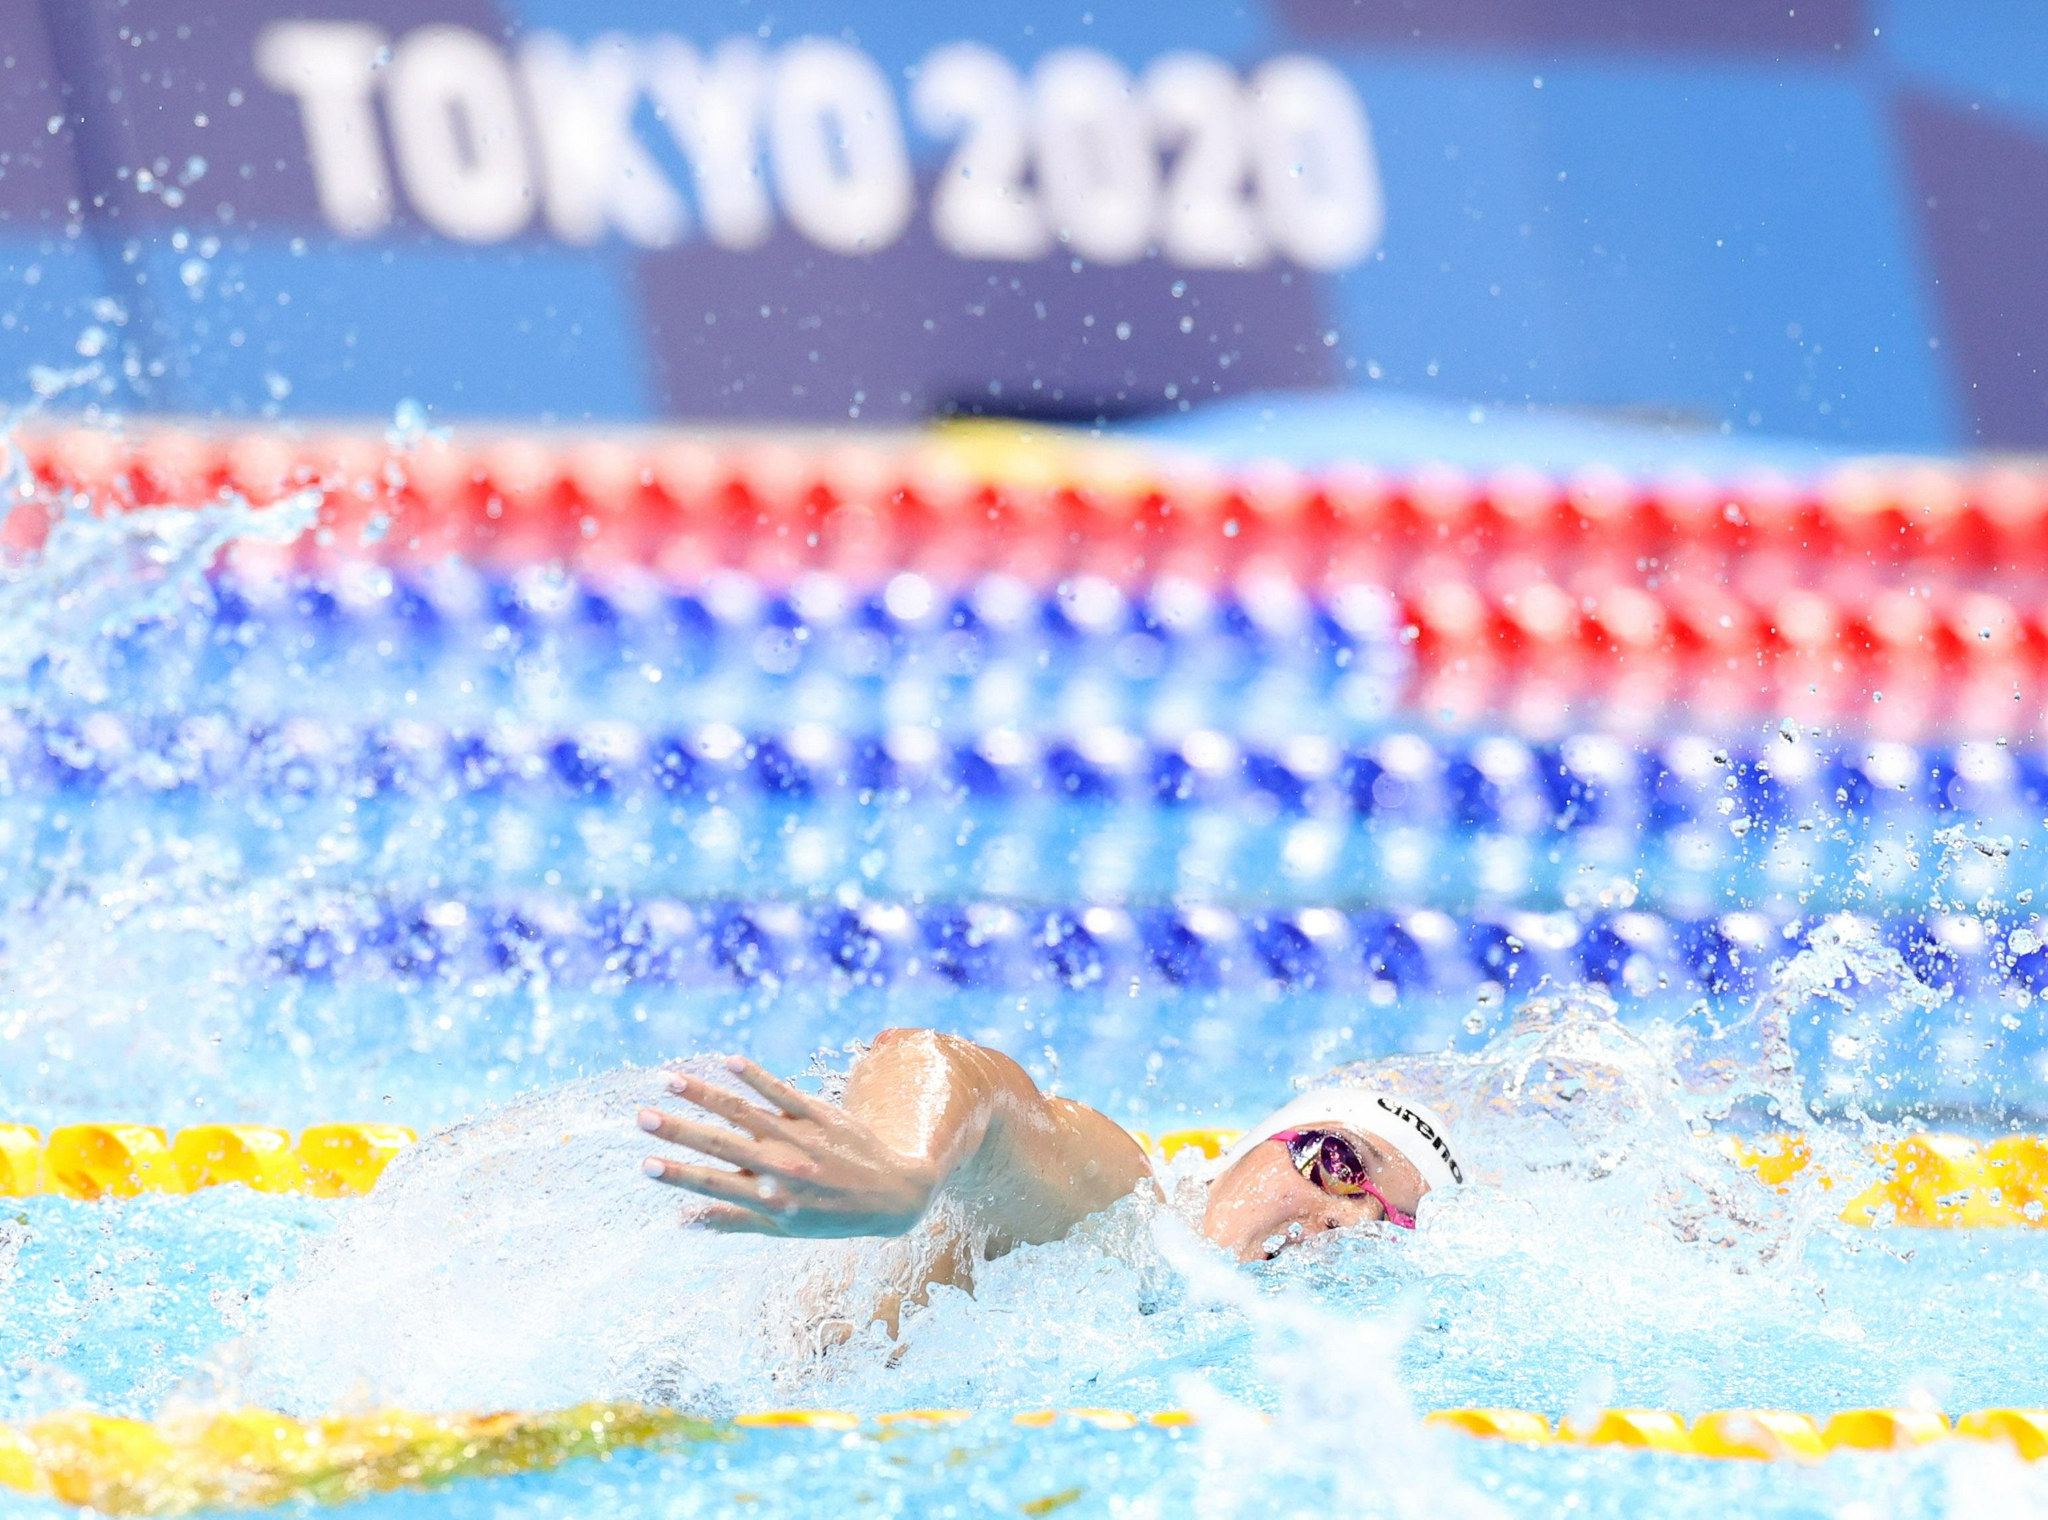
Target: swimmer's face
[[1262, 1205]]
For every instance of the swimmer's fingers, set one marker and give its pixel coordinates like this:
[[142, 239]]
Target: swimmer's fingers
[[793, 1101], [727, 1104], [742, 1188], [724, 1144], [731, 1219]]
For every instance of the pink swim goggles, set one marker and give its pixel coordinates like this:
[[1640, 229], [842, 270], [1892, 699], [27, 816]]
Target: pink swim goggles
[[1333, 1164]]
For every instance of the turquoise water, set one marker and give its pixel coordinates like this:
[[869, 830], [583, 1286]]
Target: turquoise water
[[251, 871], [121, 1307]]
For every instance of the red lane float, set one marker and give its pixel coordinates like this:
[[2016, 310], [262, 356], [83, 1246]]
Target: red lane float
[[1902, 598], [1900, 661], [679, 505]]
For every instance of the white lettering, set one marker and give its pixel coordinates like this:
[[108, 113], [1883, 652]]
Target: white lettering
[[713, 111], [457, 135], [1422, 1127], [1098, 173], [329, 67], [841, 166], [981, 208], [1220, 173], [1319, 183], [1206, 219], [596, 172]]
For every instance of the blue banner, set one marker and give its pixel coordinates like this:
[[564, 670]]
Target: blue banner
[[1823, 221]]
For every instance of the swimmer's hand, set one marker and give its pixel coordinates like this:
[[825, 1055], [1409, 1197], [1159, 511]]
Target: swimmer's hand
[[807, 1168]]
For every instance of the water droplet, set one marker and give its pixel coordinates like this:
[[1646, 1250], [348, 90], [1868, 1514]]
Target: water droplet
[[408, 421]]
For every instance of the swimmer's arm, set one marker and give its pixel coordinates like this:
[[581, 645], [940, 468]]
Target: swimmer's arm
[[925, 1114], [1026, 1168]]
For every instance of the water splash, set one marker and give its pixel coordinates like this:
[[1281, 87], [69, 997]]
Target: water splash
[[1568, 1103], [1992, 1481], [522, 1260], [520, 1257], [1339, 1434], [96, 579]]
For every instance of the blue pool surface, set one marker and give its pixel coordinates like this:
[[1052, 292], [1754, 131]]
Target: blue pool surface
[[471, 854]]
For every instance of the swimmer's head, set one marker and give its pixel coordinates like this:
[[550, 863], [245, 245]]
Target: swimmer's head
[[1283, 1182]]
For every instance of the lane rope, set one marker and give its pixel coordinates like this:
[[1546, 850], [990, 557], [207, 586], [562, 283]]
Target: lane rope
[[255, 1457], [1966, 661], [1494, 783], [92, 1161], [1514, 584], [1933, 1181], [1381, 953], [979, 489]]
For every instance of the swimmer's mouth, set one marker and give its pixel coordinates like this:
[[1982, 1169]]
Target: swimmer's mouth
[[1275, 1243], [1296, 1234]]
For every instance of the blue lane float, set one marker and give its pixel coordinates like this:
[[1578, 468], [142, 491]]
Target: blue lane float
[[1382, 953], [1271, 615], [1490, 783], [1088, 627]]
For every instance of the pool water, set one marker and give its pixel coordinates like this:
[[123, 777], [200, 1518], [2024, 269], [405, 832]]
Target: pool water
[[480, 854]]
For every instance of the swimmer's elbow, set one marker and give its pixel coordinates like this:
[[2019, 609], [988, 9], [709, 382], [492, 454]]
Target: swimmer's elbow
[[893, 1046]]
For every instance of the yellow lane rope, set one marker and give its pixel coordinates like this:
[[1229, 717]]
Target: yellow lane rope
[[1933, 1180], [122, 1160], [253, 1457]]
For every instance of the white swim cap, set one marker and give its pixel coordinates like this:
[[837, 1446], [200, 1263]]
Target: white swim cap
[[1409, 1128]]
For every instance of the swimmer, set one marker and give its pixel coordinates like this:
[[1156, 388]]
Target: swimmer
[[929, 1117]]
